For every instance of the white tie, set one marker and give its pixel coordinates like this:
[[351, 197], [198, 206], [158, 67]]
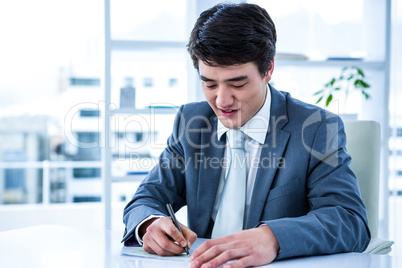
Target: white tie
[[229, 218]]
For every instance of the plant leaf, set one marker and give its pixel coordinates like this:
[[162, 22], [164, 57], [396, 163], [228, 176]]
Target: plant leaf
[[366, 95], [332, 81], [364, 84], [319, 92], [337, 88], [319, 99], [358, 83], [360, 72], [329, 99]]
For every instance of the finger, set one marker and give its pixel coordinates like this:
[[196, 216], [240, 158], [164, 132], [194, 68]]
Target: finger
[[164, 247], [189, 235], [152, 247], [201, 249], [250, 260], [243, 262], [207, 245], [171, 230], [148, 248], [227, 255], [216, 252], [159, 241]]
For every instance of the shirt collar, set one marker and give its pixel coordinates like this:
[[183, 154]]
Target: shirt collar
[[257, 127]]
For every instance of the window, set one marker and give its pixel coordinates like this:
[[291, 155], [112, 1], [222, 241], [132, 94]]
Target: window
[[88, 153], [14, 179], [165, 18], [89, 113], [173, 82], [60, 74], [86, 82], [329, 37], [399, 132], [169, 87], [80, 199], [87, 173], [148, 82]]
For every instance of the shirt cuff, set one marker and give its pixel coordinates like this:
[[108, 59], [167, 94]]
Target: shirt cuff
[[137, 236]]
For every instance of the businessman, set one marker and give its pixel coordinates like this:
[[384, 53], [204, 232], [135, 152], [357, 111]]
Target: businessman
[[264, 175]]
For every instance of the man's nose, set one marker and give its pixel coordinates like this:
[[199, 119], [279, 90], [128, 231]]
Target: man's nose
[[224, 97]]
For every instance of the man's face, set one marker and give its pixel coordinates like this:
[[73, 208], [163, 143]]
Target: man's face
[[236, 92]]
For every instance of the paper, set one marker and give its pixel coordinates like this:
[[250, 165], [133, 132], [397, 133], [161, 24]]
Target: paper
[[139, 252]]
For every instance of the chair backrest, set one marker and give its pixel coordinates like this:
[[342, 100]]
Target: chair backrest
[[364, 145]]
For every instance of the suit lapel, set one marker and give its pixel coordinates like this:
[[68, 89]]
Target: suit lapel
[[272, 151], [209, 174]]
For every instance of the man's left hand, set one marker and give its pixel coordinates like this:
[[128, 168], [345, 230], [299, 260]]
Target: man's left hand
[[252, 247]]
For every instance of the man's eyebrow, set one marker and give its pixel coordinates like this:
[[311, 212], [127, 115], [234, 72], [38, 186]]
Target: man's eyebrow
[[234, 79], [238, 78], [205, 79]]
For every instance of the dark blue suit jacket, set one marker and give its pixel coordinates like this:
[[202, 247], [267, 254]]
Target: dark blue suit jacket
[[304, 189]]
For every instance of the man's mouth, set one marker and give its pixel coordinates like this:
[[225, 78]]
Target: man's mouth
[[229, 112]]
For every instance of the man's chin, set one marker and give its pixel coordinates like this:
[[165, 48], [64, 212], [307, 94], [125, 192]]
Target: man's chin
[[228, 122]]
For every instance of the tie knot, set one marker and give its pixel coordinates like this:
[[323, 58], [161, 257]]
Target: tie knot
[[236, 138]]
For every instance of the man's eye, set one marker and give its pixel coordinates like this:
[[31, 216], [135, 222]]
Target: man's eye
[[210, 86], [238, 86]]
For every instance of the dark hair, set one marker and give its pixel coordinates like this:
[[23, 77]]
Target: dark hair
[[228, 34]]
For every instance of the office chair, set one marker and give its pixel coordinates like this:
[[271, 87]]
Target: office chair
[[364, 146]]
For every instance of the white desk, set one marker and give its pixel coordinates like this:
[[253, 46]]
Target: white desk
[[56, 246]]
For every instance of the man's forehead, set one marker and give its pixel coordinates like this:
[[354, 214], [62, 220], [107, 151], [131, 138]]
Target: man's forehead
[[234, 72]]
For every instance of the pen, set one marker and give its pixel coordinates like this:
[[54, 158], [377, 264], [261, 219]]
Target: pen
[[171, 213]]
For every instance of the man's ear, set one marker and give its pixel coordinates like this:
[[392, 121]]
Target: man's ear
[[268, 75]]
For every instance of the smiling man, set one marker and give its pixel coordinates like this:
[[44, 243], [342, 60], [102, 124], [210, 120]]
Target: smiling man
[[264, 175]]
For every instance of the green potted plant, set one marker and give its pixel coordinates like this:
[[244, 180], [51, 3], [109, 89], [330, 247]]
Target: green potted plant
[[351, 78]]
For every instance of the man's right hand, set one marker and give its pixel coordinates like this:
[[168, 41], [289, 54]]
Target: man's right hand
[[160, 236]]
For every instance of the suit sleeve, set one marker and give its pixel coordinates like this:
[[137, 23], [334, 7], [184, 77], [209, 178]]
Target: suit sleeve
[[164, 184], [337, 220]]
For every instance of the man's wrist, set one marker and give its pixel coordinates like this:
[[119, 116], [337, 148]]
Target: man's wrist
[[141, 228], [276, 243]]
